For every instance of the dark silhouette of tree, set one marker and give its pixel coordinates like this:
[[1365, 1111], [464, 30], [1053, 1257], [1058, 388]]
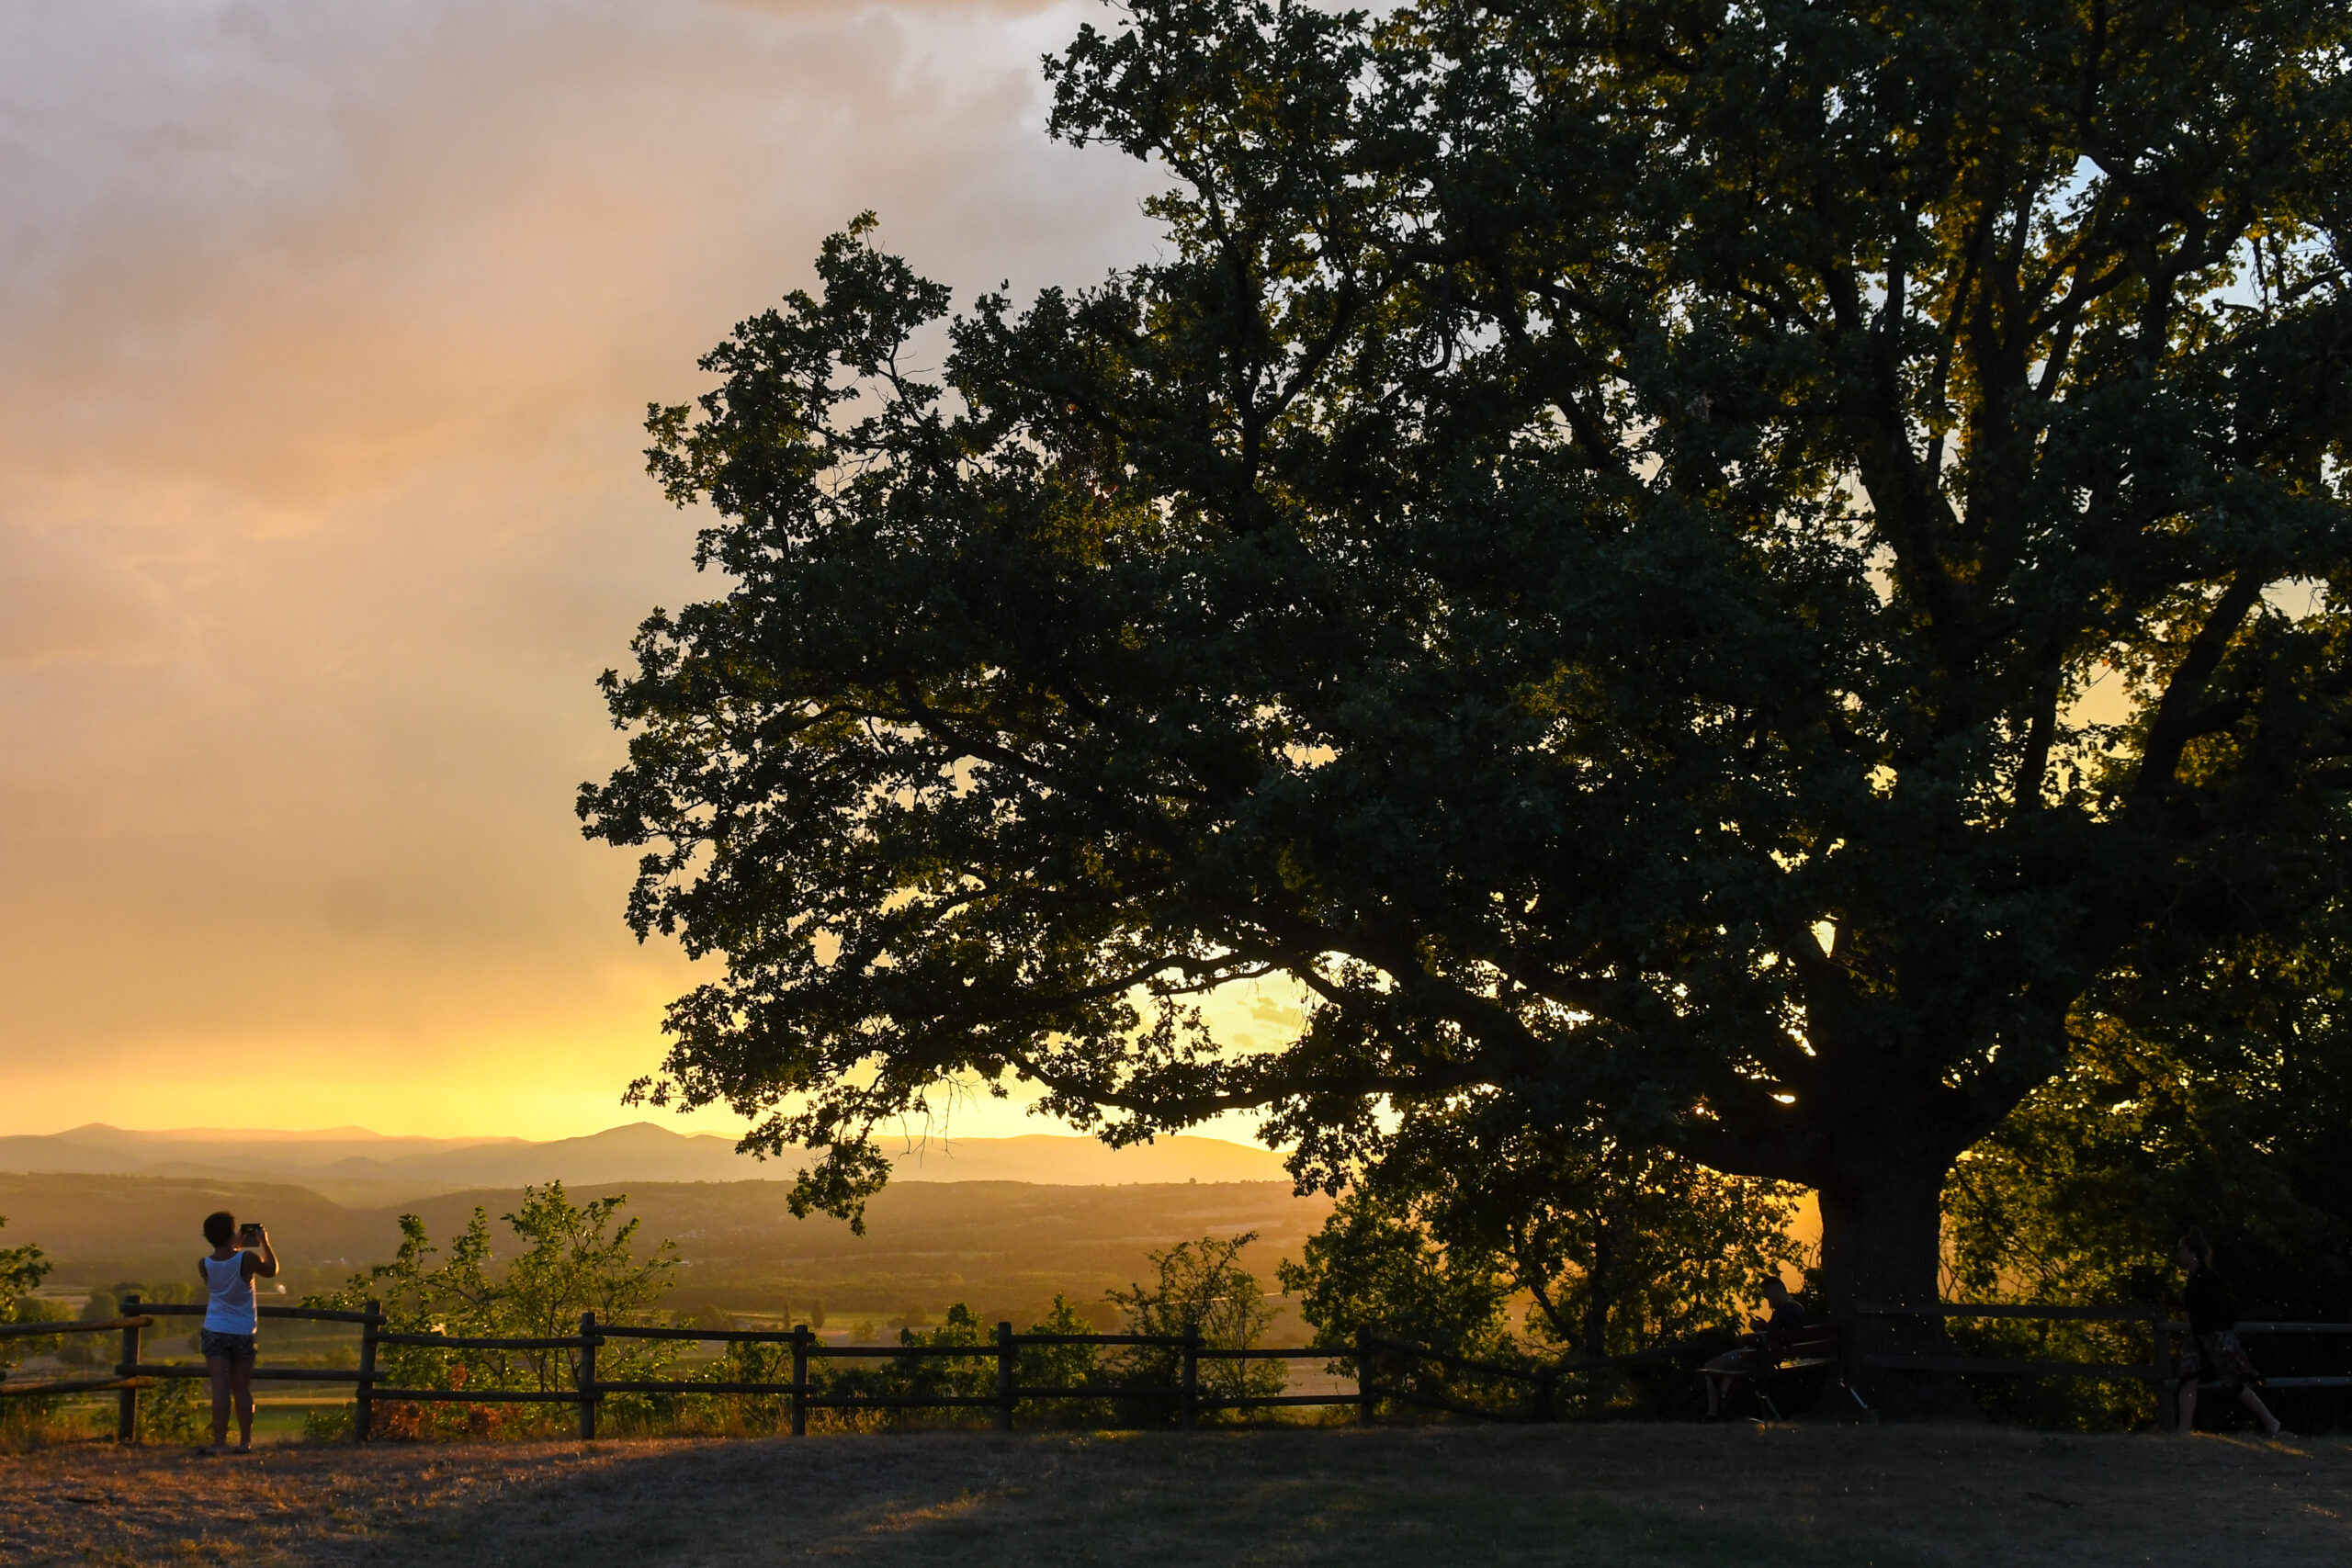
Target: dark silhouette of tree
[[1737, 571]]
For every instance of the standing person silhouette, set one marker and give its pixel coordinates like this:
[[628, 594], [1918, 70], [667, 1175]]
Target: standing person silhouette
[[231, 1321], [2214, 1348]]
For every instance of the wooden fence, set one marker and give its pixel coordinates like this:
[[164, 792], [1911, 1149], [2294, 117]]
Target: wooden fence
[[2160, 1371], [1184, 1395]]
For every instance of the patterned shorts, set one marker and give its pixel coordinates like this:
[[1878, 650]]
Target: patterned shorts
[[230, 1347], [2219, 1358]]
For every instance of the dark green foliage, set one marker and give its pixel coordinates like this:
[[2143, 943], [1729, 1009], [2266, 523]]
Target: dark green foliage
[[175, 1410], [1374, 1267], [1200, 1288], [1615, 1248], [1062, 1366], [754, 1361], [1622, 1247], [2227, 1115], [22, 1268], [1732, 571], [974, 1376], [1654, 1252]]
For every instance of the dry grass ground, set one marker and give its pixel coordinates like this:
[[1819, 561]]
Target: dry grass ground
[[1820, 1496]]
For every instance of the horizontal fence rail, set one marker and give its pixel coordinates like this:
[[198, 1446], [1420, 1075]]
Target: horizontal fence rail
[[45, 1330], [307, 1315], [476, 1342], [122, 1377], [259, 1374]]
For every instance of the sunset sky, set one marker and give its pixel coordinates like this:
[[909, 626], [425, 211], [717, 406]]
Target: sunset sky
[[326, 332]]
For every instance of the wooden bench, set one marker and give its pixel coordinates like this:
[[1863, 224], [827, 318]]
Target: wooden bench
[[1779, 1353]]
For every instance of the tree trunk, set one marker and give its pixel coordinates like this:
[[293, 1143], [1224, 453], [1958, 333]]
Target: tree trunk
[[1881, 1244], [1596, 1309], [1882, 1240]]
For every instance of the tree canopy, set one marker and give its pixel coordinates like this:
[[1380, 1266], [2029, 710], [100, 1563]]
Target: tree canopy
[[1748, 571]]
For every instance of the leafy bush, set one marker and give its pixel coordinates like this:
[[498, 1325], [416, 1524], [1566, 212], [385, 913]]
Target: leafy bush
[[1373, 1267], [328, 1423], [175, 1410], [1199, 1287], [904, 1376], [1061, 1366], [755, 1414], [22, 1268], [574, 1258], [1614, 1248], [31, 1421]]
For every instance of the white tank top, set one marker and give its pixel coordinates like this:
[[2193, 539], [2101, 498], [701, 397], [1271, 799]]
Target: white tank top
[[231, 1310]]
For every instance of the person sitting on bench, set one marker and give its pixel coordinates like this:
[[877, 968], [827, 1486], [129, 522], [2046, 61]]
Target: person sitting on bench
[[1786, 1316]]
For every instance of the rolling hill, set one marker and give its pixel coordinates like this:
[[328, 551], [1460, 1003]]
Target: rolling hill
[[355, 1166]]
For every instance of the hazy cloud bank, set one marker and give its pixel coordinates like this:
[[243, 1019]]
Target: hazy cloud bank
[[324, 334]]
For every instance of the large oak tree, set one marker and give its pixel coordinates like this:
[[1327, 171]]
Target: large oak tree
[[1738, 573]]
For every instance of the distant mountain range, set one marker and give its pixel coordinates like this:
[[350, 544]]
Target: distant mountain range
[[351, 1164]]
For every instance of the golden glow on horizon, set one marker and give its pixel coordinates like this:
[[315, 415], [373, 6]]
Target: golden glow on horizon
[[428, 1086]]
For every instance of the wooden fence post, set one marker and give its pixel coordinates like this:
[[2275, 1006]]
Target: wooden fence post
[[1548, 1390], [587, 1377], [1365, 1398], [2160, 1372], [1192, 1412], [800, 1380], [126, 1418], [363, 1413], [1005, 1368]]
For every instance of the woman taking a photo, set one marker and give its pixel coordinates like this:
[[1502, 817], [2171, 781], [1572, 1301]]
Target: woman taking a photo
[[231, 1321]]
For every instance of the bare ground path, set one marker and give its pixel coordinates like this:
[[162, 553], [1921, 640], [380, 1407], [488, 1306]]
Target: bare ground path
[[1819, 1496]]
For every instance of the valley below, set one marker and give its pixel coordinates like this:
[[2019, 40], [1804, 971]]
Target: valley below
[[1004, 1247]]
